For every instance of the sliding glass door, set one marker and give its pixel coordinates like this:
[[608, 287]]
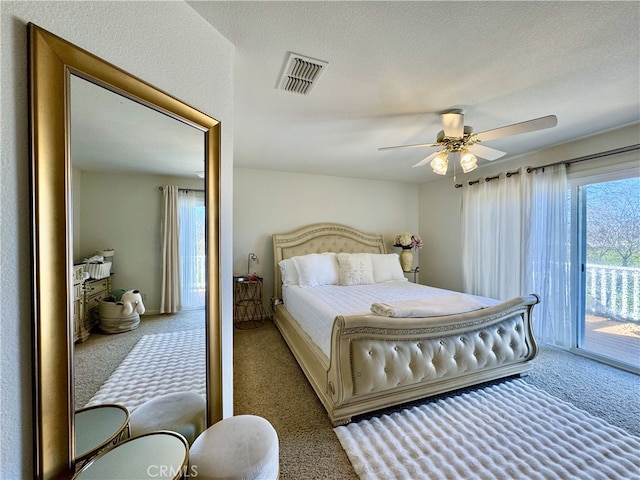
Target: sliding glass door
[[608, 323]]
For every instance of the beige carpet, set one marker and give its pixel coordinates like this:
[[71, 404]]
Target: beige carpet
[[269, 383]]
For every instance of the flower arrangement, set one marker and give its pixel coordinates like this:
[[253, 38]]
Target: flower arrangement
[[407, 241]]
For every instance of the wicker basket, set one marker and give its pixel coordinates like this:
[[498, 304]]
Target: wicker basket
[[113, 321]]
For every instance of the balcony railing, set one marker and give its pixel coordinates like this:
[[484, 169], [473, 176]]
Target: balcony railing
[[613, 292]]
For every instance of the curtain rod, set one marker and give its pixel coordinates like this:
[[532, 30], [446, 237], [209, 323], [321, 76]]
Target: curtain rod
[[185, 189], [593, 156], [488, 179]]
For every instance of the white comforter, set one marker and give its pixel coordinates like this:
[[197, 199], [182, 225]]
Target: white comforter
[[315, 308]]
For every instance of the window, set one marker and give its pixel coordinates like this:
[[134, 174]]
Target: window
[[192, 249]]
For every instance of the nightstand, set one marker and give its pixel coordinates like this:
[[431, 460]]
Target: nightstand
[[248, 310], [415, 273]]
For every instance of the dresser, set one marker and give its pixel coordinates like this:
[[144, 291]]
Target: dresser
[[86, 317], [78, 302]]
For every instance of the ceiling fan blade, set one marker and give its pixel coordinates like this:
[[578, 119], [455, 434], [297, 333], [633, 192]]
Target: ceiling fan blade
[[426, 160], [415, 145], [453, 124], [518, 128], [485, 152]]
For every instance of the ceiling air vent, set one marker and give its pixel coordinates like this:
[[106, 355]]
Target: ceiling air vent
[[301, 74]]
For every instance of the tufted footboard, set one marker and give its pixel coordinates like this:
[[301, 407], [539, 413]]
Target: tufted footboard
[[377, 361]]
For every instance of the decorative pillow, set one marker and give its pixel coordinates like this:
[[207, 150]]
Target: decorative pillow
[[355, 269], [316, 269], [386, 267], [288, 272]]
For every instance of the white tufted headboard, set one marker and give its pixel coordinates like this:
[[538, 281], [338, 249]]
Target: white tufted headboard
[[320, 238]]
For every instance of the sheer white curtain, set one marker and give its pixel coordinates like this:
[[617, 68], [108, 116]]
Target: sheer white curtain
[[192, 248], [492, 237], [516, 241], [548, 253], [170, 300]]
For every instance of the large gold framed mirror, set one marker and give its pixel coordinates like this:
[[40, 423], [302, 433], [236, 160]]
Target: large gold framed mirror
[[52, 63]]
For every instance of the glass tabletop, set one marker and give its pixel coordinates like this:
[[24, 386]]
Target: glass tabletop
[[158, 455], [96, 427]]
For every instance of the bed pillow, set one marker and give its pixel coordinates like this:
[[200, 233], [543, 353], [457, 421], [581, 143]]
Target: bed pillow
[[355, 269], [288, 272], [386, 267], [316, 269]]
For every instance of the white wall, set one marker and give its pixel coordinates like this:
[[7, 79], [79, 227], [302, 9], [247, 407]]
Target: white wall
[[267, 202], [124, 212], [440, 201], [171, 47]]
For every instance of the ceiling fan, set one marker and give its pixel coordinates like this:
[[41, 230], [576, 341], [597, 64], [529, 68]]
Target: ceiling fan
[[458, 141]]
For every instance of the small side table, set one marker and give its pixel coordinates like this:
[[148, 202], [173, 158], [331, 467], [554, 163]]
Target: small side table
[[415, 273], [161, 454], [97, 429], [248, 310]]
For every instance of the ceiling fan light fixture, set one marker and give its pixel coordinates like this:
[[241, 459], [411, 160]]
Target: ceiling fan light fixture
[[440, 163], [468, 161], [461, 141]]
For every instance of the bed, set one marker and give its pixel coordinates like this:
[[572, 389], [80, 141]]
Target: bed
[[361, 361]]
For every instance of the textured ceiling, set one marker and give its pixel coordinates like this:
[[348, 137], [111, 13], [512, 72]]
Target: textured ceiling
[[394, 66]]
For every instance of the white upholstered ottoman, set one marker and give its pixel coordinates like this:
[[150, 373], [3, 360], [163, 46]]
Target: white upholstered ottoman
[[183, 412], [244, 447]]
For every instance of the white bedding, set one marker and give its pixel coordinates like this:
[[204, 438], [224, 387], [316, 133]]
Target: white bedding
[[316, 308]]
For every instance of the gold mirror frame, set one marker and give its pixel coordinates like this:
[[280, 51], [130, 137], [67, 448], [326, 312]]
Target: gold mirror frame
[[52, 61]]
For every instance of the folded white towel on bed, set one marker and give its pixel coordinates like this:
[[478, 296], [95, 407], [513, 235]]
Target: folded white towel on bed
[[449, 304]]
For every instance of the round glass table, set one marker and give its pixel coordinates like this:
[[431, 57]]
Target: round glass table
[[157, 455], [97, 428]]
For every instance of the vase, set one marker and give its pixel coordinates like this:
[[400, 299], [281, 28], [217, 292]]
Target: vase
[[406, 259]]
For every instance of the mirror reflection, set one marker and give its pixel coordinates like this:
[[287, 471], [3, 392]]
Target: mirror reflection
[[64, 202], [138, 249]]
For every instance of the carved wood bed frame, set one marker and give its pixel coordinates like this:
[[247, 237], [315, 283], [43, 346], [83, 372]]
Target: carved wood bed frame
[[377, 362]]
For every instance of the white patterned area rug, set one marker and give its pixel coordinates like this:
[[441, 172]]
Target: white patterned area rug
[[511, 430], [158, 364]]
